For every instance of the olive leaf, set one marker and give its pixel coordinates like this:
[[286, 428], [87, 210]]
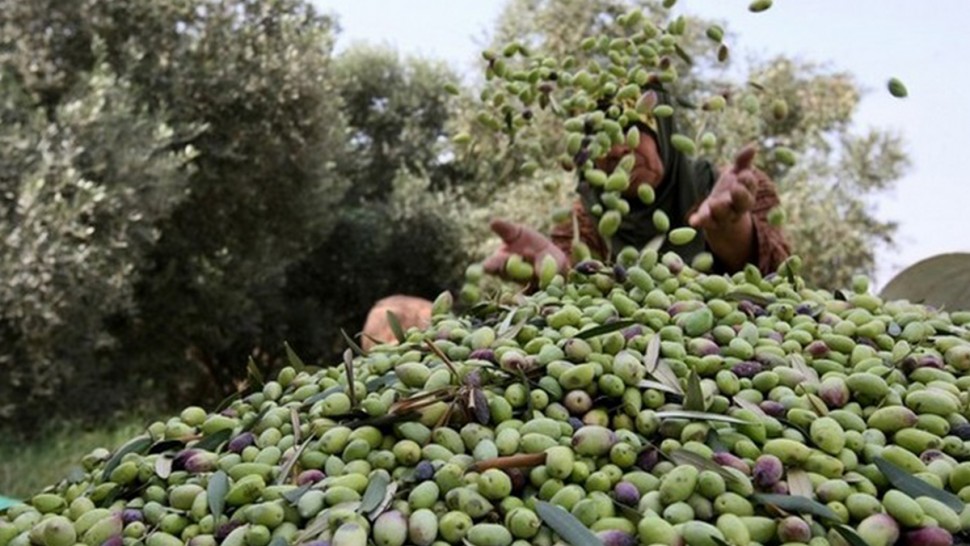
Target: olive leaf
[[915, 487], [293, 495], [212, 441], [379, 382], [799, 484], [798, 363], [652, 355], [740, 295], [511, 333], [225, 402], [797, 504], [293, 358], [566, 525], [444, 358], [353, 344], [395, 325], [163, 467], [138, 444], [818, 404], [309, 402], [658, 368], [259, 417], [317, 525], [375, 492], [604, 329], [700, 416], [216, 493], [655, 243], [506, 323], [694, 400], [288, 466], [850, 535], [713, 441], [626, 511], [385, 502], [658, 386], [162, 446], [295, 421], [252, 370]]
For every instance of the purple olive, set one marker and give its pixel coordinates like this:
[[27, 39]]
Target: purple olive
[[794, 529], [424, 471], [747, 369], [241, 442], [724, 458], [817, 348], [648, 459], [928, 536], [626, 493], [483, 354], [309, 476], [616, 538], [773, 408], [129, 515], [767, 471]]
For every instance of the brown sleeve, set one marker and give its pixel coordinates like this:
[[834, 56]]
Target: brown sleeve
[[562, 234], [771, 246]]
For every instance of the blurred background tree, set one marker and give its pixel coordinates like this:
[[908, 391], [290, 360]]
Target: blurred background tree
[[244, 85], [186, 184], [396, 231], [84, 189]]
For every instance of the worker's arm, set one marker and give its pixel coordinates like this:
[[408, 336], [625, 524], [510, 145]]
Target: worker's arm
[[734, 218]]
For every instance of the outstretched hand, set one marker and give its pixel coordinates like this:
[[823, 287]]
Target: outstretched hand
[[524, 241], [732, 198]]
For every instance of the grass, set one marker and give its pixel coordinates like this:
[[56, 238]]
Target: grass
[[27, 466]]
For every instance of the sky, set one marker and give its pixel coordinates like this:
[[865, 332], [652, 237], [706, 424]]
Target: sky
[[925, 44]]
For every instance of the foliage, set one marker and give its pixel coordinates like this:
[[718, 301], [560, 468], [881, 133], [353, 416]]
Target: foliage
[[396, 111], [175, 263], [256, 73], [397, 229], [84, 195]]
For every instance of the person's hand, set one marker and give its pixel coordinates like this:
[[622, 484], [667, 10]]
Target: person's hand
[[732, 198], [725, 216], [524, 241]]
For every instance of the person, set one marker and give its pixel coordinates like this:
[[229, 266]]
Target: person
[[729, 207], [409, 310]]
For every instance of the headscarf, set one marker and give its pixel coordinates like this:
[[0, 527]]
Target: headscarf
[[685, 184]]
